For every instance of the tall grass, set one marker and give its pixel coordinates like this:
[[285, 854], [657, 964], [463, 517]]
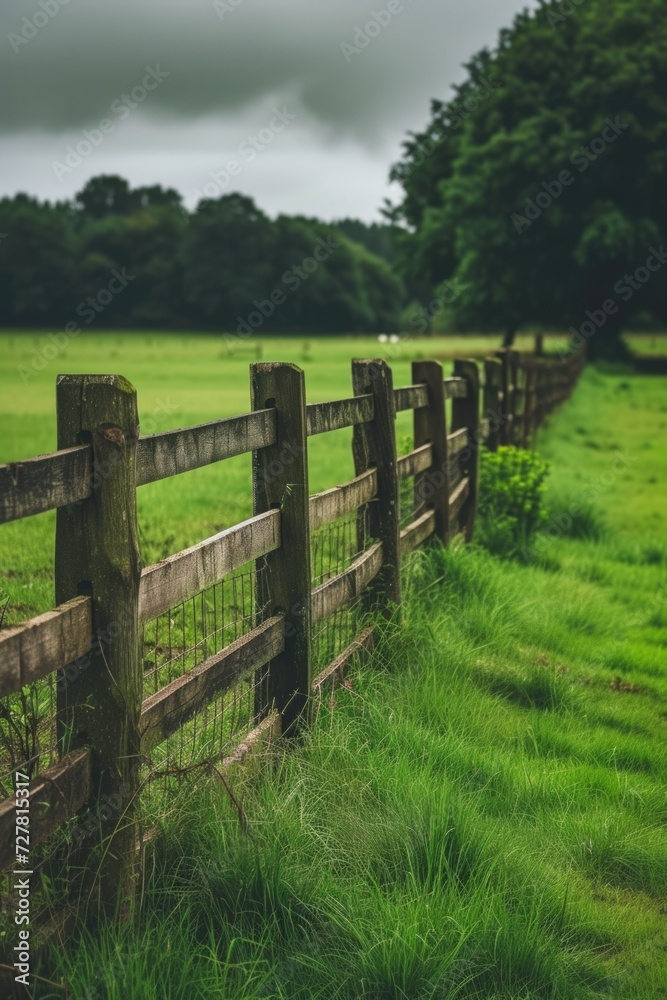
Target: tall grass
[[481, 814]]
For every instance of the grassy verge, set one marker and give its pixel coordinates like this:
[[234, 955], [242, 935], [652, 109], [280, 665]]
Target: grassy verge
[[482, 813]]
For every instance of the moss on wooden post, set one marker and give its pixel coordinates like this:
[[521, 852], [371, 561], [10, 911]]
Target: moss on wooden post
[[97, 552], [280, 480], [492, 404], [430, 427], [466, 414], [374, 444]]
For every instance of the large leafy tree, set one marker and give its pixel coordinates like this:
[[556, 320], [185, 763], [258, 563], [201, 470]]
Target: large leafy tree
[[540, 187]]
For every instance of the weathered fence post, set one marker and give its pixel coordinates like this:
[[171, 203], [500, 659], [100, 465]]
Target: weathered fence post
[[528, 416], [280, 480], [97, 553], [374, 444], [430, 427], [465, 413], [492, 402]]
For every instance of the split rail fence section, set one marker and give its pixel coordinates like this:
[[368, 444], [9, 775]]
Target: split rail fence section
[[106, 723]]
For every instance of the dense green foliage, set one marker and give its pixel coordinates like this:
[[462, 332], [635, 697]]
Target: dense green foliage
[[224, 266], [511, 500], [540, 187]]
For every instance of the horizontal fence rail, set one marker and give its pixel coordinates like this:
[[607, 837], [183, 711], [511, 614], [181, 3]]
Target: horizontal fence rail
[[186, 573], [44, 644], [315, 566], [44, 483], [173, 452]]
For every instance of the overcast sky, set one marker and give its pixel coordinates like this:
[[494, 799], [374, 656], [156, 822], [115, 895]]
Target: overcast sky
[[186, 87]]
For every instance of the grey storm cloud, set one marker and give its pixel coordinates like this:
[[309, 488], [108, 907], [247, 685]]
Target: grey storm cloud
[[225, 65], [222, 58]]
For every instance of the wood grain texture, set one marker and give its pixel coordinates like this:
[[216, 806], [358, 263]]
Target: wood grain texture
[[455, 388], [411, 397], [334, 673], [171, 707], [333, 416], [374, 445], [465, 413], [430, 426], [44, 483], [341, 500], [173, 452], [416, 534], [414, 462], [181, 576], [457, 441], [45, 643], [55, 796], [268, 730], [97, 550], [341, 590], [492, 402], [285, 586]]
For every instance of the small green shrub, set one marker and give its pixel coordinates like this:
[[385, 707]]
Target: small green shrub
[[511, 500]]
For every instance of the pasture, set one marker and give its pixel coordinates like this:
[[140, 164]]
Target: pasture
[[180, 380], [482, 812]]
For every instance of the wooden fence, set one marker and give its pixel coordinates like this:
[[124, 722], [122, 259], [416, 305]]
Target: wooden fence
[[106, 722]]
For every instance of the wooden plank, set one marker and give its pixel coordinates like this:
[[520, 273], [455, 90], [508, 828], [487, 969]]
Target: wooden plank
[[335, 672], [374, 444], [410, 397], [431, 489], [466, 414], [416, 533], [181, 576], [455, 388], [55, 797], [416, 461], [492, 404], [457, 441], [341, 500], [286, 582], [332, 416], [458, 497], [348, 585], [44, 644], [171, 707], [173, 452], [97, 545], [44, 483], [269, 729]]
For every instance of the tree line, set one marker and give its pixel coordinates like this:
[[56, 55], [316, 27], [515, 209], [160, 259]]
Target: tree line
[[136, 257]]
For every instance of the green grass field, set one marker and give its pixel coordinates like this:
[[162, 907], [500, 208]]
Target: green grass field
[[180, 380], [482, 814]]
